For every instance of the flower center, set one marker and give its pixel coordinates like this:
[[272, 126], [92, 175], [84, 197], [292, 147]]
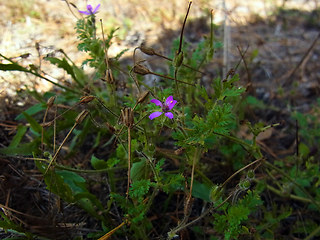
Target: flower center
[[165, 108]]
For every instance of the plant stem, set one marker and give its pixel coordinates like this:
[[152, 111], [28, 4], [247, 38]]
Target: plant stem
[[294, 182], [129, 160], [240, 170], [313, 234], [58, 150]]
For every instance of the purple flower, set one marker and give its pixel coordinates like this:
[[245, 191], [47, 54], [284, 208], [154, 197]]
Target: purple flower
[[90, 12], [166, 107]]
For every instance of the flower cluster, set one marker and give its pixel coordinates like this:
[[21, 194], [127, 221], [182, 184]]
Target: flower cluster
[[90, 11], [166, 107]]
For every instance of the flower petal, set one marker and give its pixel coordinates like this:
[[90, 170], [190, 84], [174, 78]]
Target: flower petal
[[169, 115], [170, 102], [154, 115], [171, 105], [156, 102], [96, 9], [89, 7], [84, 12]]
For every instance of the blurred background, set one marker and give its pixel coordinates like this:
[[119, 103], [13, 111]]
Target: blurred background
[[272, 29]]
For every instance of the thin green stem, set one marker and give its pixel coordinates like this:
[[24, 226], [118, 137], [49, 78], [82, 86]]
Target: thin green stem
[[129, 161], [57, 152], [240, 170], [313, 234], [294, 182], [292, 196], [87, 171]]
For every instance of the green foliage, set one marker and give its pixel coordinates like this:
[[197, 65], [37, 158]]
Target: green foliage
[[205, 130], [200, 148], [8, 225], [309, 126], [232, 222], [72, 70], [139, 189]]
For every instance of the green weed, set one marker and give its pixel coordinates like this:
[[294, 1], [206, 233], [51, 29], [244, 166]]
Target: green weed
[[184, 170]]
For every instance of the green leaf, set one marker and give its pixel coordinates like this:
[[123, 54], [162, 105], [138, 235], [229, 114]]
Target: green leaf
[[74, 181], [112, 162], [91, 197], [32, 110], [21, 130], [7, 224], [26, 149], [12, 67], [253, 101], [55, 183], [201, 191], [62, 64], [87, 205], [138, 170], [304, 150], [34, 124], [140, 188], [254, 54], [98, 163]]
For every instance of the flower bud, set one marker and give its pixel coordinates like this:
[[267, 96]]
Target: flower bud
[[250, 174], [51, 101], [46, 154], [86, 99], [139, 69], [81, 116], [147, 50], [109, 76], [127, 117], [179, 151], [215, 193], [244, 184], [287, 189], [178, 59], [143, 96]]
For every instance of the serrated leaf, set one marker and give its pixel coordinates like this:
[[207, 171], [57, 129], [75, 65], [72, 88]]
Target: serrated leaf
[[62, 64], [233, 92], [140, 188]]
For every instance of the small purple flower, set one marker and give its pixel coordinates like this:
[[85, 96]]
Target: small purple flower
[[90, 12], [166, 107]]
